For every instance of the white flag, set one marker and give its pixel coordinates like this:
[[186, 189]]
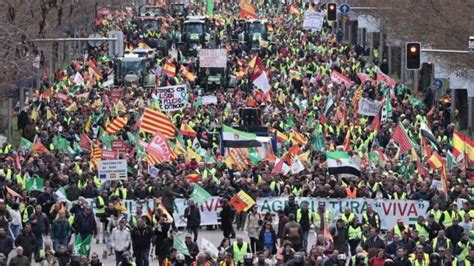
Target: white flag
[[209, 247], [297, 166], [78, 79]]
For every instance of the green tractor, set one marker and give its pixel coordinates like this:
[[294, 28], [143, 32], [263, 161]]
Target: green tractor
[[133, 69], [255, 35], [213, 78], [153, 35], [195, 34]]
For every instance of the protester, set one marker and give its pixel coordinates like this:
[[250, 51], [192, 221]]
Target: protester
[[27, 240], [121, 240], [193, 216], [141, 239], [19, 259]]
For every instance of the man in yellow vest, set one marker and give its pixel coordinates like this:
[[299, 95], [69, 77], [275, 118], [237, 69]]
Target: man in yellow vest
[[371, 217], [304, 217], [100, 203], [321, 218], [467, 261], [436, 212], [449, 215], [239, 250], [347, 216], [419, 257], [441, 241], [421, 227], [400, 228]]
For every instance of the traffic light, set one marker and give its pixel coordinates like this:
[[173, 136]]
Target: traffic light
[[332, 11], [413, 55]]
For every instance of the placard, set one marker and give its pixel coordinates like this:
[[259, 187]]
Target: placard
[[118, 145], [172, 98], [108, 154], [313, 21], [213, 58], [369, 107], [210, 99], [112, 169]]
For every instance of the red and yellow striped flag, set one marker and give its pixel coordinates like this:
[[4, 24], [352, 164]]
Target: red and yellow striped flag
[[155, 121], [116, 125], [152, 159], [169, 69]]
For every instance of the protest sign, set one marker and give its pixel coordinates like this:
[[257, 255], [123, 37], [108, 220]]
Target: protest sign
[[369, 107], [112, 170], [213, 58], [313, 21], [172, 98], [339, 78], [211, 99]]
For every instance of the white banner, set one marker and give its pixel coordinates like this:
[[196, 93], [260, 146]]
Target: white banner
[[172, 98], [389, 210], [213, 58], [313, 21], [369, 107]]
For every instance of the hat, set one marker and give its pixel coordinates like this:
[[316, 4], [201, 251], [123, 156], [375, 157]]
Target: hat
[[399, 220]]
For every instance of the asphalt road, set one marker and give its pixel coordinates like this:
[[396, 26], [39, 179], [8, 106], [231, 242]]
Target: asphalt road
[[214, 236]]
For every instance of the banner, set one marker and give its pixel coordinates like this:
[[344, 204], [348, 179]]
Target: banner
[[313, 21], [159, 147], [339, 78], [389, 210], [213, 58], [369, 107], [172, 98]]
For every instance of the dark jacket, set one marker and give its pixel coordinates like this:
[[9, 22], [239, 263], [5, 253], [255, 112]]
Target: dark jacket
[[402, 262], [194, 217], [261, 239], [27, 242], [141, 237], [41, 225], [85, 225], [60, 229], [290, 208], [6, 245], [193, 250], [19, 261]]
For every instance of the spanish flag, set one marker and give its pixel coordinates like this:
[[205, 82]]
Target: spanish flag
[[187, 130], [298, 138], [294, 11], [187, 74], [116, 125], [169, 69], [459, 144], [435, 161], [247, 10]]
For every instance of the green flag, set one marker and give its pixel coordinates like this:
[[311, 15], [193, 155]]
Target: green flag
[[178, 243], [82, 247], [26, 145], [254, 156], [289, 122], [35, 184], [61, 194], [61, 143], [106, 140], [200, 195], [310, 120], [319, 143], [210, 7]]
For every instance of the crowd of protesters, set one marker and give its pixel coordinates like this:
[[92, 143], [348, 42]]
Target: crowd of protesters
[[40, 226]]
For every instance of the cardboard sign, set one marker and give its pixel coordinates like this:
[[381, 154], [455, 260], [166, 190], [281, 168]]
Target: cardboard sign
[[368, 107], [213, 58], [313, 21], [172, 98]]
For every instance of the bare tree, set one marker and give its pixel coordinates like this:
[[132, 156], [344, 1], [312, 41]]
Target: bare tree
[[439, 24]]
